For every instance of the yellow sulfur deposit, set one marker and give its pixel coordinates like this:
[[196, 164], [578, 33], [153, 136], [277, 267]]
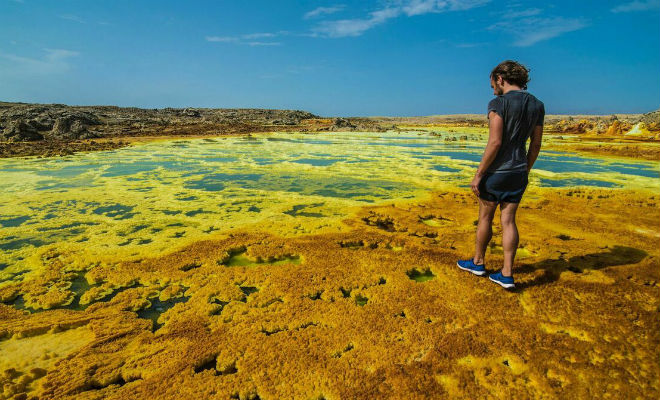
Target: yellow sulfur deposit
[[363, 302], [639, 129]]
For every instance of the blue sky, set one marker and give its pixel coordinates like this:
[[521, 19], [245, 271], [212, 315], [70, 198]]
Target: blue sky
[[350, 58]]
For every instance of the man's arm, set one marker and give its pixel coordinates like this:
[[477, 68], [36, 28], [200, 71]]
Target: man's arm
[[534, 146], [495, 128]]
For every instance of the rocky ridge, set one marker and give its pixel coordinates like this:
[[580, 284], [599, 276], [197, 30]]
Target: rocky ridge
[[29, 122]]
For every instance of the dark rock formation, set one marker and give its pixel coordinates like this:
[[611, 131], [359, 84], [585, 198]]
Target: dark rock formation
[[28, 122], [57, 129], [343, 123], [651, 119], [356, 124], [19, 130], [74, 126]]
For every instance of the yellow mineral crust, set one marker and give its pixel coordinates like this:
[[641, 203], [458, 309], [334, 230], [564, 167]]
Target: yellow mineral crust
[[97, 208], [375, 310]]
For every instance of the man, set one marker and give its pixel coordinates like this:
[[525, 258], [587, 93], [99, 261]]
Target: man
[[514, 116]]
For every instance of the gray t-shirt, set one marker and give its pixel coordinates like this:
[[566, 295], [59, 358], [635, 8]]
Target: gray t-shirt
[[521, 112]]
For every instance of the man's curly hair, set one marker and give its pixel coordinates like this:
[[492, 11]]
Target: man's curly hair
[[512, 72]]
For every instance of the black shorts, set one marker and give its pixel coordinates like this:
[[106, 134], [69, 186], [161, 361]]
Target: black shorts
[[503, 186]]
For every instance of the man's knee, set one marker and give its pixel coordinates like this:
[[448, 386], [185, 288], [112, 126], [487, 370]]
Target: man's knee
[[486, 217], [508, 224], [508, 215], [508, 220]]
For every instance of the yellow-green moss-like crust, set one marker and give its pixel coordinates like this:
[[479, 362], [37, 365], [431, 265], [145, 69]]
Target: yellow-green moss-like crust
[[582, 324]]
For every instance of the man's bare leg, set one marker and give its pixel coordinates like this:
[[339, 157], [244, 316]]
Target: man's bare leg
[[509, 236], [484, 229]]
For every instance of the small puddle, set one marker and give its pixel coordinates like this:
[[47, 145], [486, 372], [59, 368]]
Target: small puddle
[[238, 258], [116, 211], [297, 211], [157, 308], [445, 169], [420, 275], [14, 221]]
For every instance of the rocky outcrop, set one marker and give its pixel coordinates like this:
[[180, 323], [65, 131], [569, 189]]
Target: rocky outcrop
[[20, 131], [75, 126], [343, 124], [615, 128], [29, 122], [39, 123], [651, 120], [640, 125], [356, 124], [570, 126]]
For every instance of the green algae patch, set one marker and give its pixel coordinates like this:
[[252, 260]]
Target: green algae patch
[[361, 300], [248, 290], [393, 247], [157, 307], [239, 258], [420, 275], [433, 220], [301, 210], [15, 221]]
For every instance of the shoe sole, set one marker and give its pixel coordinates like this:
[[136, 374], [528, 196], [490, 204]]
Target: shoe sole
[[479, 273], [504, 285]]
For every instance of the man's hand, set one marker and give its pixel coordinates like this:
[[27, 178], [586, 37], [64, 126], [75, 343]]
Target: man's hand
[[475, 184], [534, 146]]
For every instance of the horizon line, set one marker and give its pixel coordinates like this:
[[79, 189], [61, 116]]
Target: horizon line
[[319, 115]]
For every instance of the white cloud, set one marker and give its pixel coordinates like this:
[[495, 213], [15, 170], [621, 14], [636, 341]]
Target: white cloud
[[393, 9], [319, 11], [223, 39], [249, 39], [55, 61], [75, 18], [531, 30], [637, 5], [60, 54], [355, 27], [263, 43], [419, 7], [258, 35], [524, 13]]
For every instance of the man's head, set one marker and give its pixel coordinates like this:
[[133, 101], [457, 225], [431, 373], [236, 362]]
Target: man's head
[[508, 74]]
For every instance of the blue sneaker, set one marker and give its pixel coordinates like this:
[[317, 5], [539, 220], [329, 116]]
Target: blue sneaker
[[504, 281], [470, 266]]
